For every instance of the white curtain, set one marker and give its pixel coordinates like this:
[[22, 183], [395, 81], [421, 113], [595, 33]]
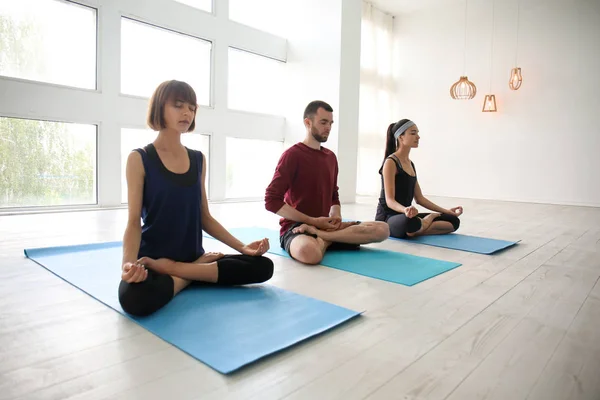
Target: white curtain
[[377, 96]]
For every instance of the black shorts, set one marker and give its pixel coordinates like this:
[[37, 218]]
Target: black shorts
[[285, 240]]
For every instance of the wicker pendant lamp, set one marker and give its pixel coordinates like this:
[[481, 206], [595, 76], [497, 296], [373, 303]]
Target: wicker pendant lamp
[[489, 103], [515, 81]]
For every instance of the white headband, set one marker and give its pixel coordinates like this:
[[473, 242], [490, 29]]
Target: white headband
[[403, 129]]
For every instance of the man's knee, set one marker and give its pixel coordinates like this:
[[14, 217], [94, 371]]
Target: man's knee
[[379, 231], [307, 252]]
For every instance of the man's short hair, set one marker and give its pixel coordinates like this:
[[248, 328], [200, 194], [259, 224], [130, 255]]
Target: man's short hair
[[312, 108]]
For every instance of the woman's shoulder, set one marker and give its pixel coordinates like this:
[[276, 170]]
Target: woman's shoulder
[[392, 159], [390, 164]]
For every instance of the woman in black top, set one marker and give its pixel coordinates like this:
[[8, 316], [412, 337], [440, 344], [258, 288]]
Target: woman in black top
[[163, 249], [399, 186]]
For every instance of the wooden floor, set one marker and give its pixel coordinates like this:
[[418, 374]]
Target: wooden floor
[[523, 324]]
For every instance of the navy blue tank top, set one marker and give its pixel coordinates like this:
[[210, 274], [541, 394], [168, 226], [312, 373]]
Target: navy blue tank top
[[171, 215]]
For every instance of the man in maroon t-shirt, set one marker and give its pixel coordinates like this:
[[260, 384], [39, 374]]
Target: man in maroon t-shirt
[[304, 193]]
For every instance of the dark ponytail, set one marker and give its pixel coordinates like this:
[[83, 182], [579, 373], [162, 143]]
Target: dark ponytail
[[390, 140]]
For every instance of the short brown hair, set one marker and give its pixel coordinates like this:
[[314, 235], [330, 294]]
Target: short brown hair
[[312, 108], [167, 91]]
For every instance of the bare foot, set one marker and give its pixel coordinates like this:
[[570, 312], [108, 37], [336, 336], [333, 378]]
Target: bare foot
[[345, 225], [428, 220], [425, 224], [209, 257], [304, 228], [161, 265]]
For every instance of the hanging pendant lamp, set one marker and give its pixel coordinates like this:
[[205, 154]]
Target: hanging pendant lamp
[[463, 89], [489, 103], [515, 81]]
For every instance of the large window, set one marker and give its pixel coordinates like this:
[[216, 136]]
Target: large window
[[135, 138], [45, 163], [204, 5], [151, 55], [266, 15], [48, 41], [255, 83], [250, 166]]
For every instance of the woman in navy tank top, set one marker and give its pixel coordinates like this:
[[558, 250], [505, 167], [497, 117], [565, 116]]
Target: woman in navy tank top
[[399, 186], [168, 210]]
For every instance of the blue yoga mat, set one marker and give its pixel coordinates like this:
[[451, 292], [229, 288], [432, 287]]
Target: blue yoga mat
[[224, 327], [456, 241], [386, 265]]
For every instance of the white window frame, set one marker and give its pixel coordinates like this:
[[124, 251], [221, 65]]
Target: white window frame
[[110, 110]]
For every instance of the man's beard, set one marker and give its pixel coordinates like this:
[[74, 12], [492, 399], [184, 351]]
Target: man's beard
[[315, 134]]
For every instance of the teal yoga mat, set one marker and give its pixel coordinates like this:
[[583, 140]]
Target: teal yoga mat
[[456, 241], [386, 265], [224, 327]]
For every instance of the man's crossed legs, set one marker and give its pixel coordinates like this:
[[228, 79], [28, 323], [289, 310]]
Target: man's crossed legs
[[307, 244]]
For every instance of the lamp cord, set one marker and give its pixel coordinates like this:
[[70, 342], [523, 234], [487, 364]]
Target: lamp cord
[[492, 47], [465, 46]]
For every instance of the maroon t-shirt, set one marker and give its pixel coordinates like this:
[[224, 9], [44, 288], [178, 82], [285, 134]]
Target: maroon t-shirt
[[305, 179]]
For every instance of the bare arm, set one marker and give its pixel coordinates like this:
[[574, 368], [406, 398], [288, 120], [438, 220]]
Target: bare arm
[[211, 225], [135, 189], [131, 271], [335, 211], [288, 212], [389, 185], [425, 202]]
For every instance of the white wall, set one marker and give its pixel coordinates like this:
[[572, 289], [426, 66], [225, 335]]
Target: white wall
[[542, 145], [313, 63], [323, 63], [349, 99]]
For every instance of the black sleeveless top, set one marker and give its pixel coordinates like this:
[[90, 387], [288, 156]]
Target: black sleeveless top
[[404, 185], [171, 209]]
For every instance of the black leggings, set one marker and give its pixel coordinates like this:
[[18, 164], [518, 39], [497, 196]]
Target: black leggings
[[144, 298], [400, 224]]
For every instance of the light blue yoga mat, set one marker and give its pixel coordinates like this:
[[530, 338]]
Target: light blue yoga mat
[[386, 265], [224, 327], [456, 241]]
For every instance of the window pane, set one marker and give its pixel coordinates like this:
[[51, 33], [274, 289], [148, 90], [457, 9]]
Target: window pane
[[143, 69], [267, 15], [250, 166], [205, 5], [135, 138], [255, 83], [46, 163], [48, 41]]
